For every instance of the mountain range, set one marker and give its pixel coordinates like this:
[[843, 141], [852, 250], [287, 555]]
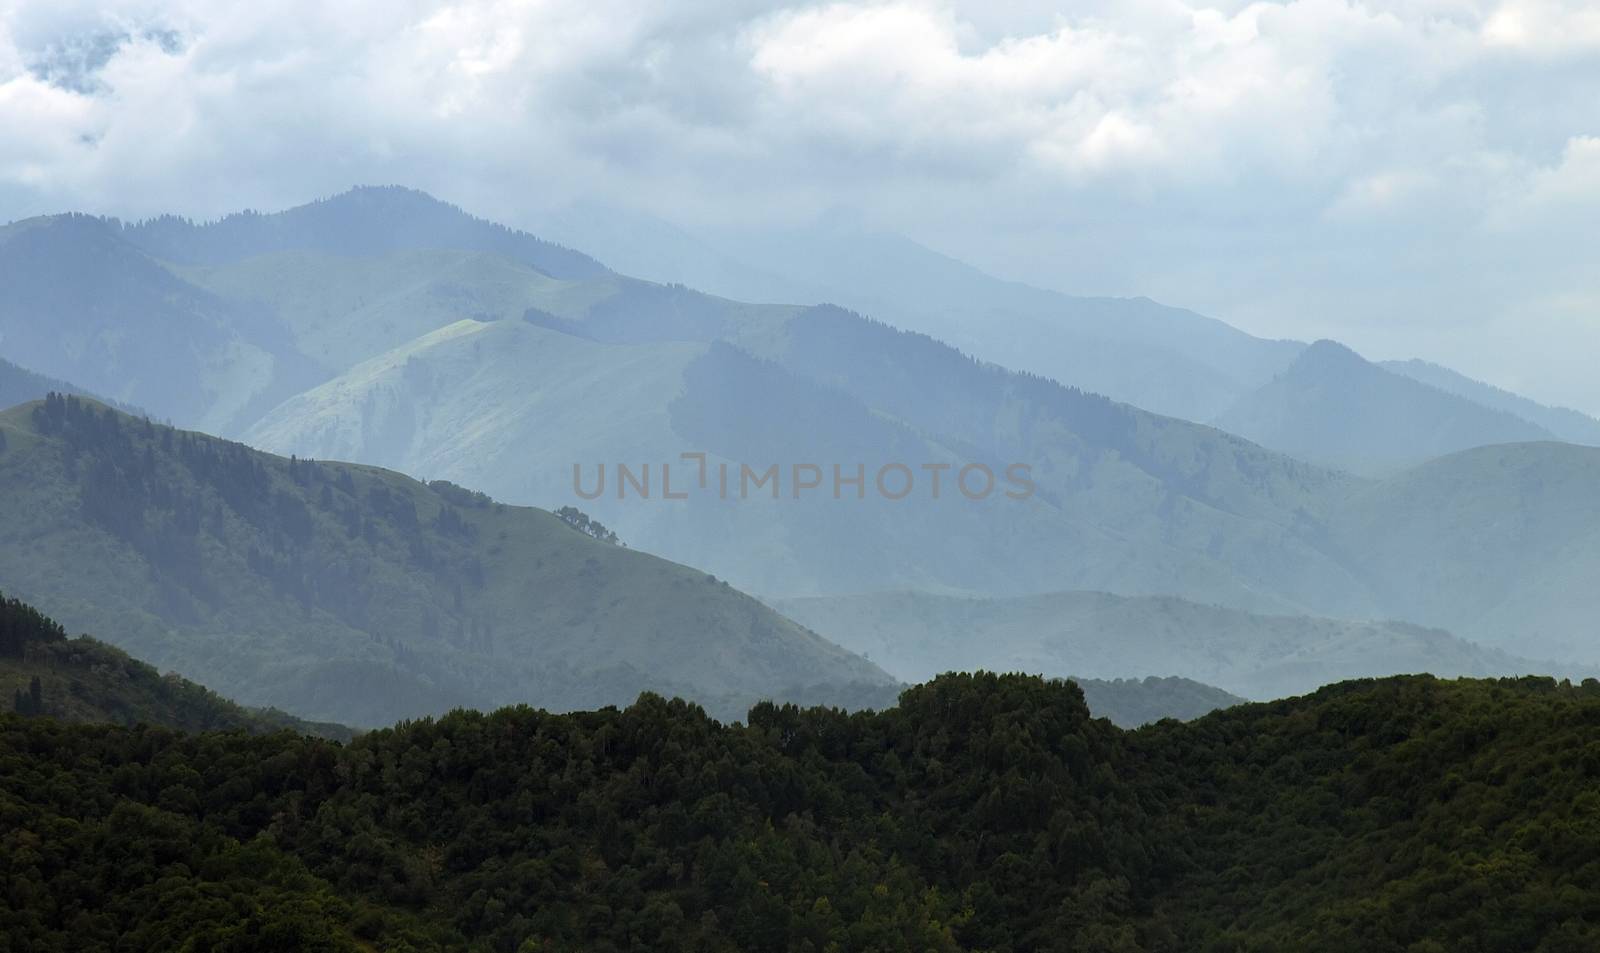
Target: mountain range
[[384, 327], [916, 636], [353, 594], [1164, 359]]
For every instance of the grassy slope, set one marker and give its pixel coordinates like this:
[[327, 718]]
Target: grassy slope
[[368, 616], [916, 635], [345, 309]]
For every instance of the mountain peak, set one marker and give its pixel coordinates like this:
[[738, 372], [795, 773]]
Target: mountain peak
[[1333, 406], [1326, 350], [367, 220]]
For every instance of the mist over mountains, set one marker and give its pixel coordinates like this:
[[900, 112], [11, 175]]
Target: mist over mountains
[[383, 327], [358, 595], [1333, 407]]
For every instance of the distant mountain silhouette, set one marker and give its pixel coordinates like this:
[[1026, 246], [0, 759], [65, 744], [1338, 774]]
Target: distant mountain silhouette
[[1333, 407]]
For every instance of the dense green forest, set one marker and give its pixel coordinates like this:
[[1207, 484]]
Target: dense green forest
[[984, 812]]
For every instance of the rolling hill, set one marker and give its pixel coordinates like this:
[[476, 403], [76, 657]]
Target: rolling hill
[[354, 594], [1333, 407], [84, 681], [917, 635]]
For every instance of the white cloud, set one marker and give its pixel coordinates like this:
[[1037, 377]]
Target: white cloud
[[1363, 160], [1558, 27]]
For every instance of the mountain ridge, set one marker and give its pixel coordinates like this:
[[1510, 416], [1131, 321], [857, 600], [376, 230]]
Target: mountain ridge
[[1334, 407], [356, 594]]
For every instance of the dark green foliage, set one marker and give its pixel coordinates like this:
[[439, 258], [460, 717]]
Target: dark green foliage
[[984, 812], [580, 521], [22, 626], [457, 495], [31, 702]]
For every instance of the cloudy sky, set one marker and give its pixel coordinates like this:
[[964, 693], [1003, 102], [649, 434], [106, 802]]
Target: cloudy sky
[[1414, 178]]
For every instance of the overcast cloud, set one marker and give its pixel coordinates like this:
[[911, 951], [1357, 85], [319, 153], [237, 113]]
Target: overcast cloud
[[1414, 178]]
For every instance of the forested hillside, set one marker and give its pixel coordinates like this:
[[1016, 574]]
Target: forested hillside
[[982, 813], [46, 674], [357, 595]]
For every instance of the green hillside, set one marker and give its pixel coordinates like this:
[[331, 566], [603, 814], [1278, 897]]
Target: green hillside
[[982, 813], [916, 635], [357, 595], [44, 673]]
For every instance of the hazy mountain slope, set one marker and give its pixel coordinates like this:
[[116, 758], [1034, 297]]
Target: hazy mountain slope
[[342, 310], [1131, 702], [605, 370], [370, 220], [1126, 500], [359, 595], [1164, 359], [1335, 408], [512, 407], [1567, 424], [1234, 513], [42, 672], [83, 305], [505, 405], [915, 635], [19, 385], [1499, 544]]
